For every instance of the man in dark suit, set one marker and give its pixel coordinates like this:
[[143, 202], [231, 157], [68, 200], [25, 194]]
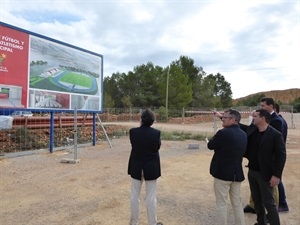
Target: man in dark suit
[[276, 122], [144, 165], [267, 155], [283, 206], [229, 145]]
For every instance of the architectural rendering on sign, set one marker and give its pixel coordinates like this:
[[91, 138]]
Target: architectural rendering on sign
[[42, 73]]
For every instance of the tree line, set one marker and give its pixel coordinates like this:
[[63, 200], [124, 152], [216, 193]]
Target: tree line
[[182, 84]]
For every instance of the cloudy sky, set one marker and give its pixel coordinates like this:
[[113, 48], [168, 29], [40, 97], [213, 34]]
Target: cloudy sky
[[254, 44]]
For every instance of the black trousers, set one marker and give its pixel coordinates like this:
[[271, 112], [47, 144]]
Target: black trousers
[[282, 197], [262, 194]]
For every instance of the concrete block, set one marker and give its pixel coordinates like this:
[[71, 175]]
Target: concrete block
[[193, 146], [71, 161]]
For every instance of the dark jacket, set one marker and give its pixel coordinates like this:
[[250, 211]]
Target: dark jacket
[[277, 122], [144, 157], [271, 152], [285, 128], [229, 145]]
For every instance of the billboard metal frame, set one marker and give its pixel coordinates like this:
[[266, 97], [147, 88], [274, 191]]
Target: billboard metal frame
[[59, 47], [27, 44]]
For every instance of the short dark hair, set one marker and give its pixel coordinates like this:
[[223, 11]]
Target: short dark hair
[[234, 113], [147, 117], [269, 101], [277, 108], [264, 113]]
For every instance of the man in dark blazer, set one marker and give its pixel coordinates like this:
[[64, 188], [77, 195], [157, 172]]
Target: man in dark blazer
[[267, 155], [283, 206], [276, 122], [229, 145], [285, 125], [279, 124], [144, 165]]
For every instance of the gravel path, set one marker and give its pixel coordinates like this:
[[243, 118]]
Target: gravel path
[[38, 189]]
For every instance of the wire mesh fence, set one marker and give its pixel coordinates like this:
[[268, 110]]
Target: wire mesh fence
[[21, 131]]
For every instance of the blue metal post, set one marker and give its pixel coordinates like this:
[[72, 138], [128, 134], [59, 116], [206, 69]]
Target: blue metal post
[[94, 129], [51, 142]]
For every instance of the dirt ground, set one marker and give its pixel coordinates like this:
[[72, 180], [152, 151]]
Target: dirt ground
[[39, 189]]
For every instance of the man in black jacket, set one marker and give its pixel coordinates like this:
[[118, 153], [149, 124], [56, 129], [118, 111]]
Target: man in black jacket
[[283, 206], [276, 122], [144, 165], [267, 155], [229, 145]]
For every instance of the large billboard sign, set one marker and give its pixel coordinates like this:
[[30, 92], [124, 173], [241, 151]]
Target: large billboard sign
[[37, 72]]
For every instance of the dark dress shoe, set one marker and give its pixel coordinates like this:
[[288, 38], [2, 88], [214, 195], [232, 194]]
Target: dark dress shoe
[[248, 209], [159, 223], [283, 208]]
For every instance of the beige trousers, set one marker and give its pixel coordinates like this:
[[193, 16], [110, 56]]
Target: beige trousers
[[151, 187], [222, 190]]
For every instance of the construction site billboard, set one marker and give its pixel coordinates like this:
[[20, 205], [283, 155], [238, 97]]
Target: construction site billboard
[[38, 72]]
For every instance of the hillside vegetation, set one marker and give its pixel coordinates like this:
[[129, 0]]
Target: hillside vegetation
[[282, 96]]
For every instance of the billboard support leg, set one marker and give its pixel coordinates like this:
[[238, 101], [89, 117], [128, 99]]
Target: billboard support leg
[[107, 138], [51, 141]]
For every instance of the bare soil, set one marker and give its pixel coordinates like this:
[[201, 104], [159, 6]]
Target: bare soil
[[39, 189]]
